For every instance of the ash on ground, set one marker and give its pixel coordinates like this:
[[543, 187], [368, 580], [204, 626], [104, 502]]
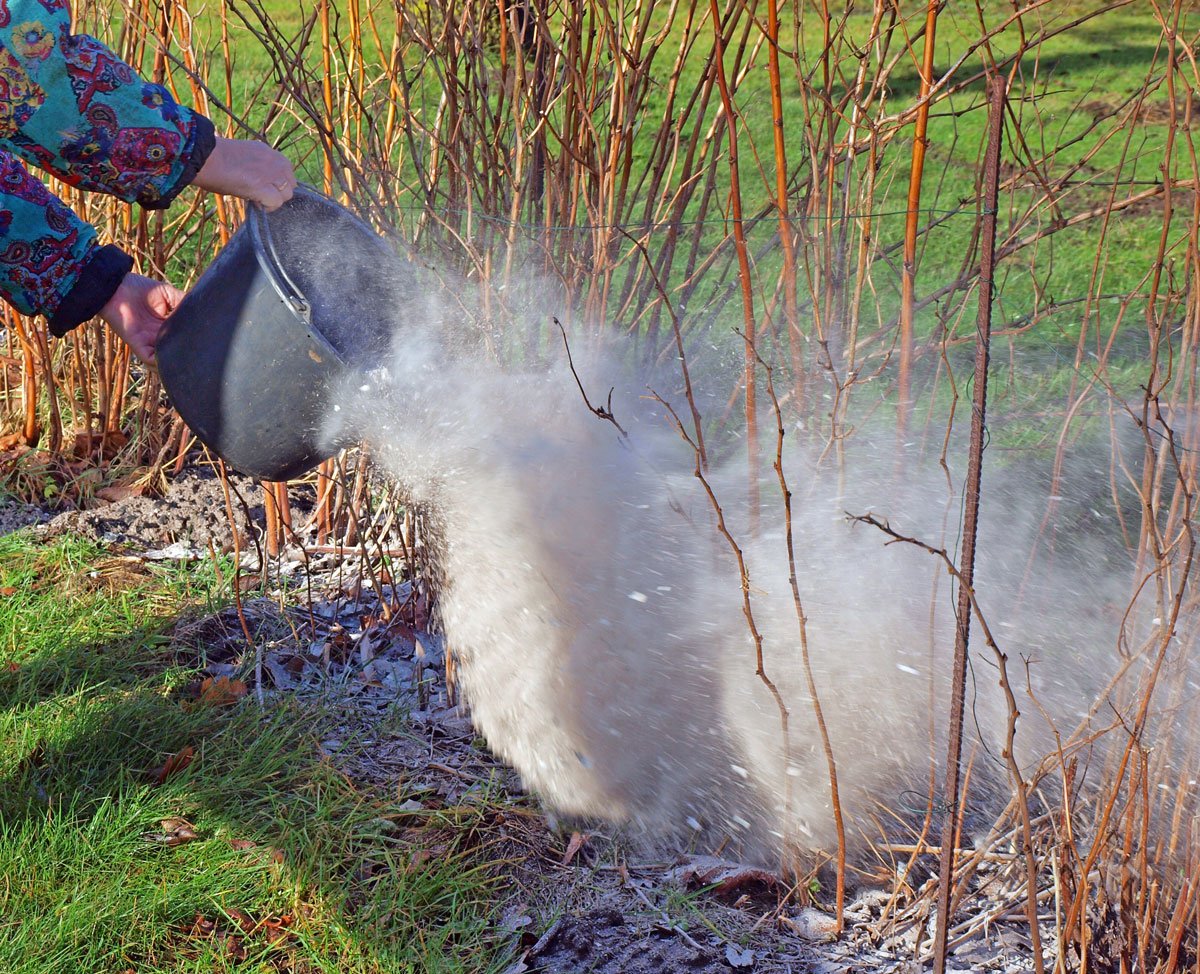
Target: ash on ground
[[14, 516], [192, 513]]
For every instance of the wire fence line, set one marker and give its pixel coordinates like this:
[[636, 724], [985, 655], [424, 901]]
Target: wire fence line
[[668, 225]]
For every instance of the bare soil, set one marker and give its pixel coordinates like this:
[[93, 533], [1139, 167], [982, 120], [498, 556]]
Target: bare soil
[[576, 896]]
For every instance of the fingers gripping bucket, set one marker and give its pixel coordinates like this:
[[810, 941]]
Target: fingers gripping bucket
[[298, 303]]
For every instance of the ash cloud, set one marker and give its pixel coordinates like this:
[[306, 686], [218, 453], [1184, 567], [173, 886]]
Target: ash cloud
[[597, 616]]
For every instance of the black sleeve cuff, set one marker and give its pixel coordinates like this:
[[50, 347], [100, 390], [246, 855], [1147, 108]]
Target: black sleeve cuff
[[203, 141], [97, 282]]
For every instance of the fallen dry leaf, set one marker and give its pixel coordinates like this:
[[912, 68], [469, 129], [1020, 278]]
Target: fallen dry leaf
[[737, 957], [243, 920], [119, 492], [201, 926], [724, 876], [575, 843], [174, 764], [233, 947], [276, 931], [811, 924], [221, 692], [106, 445], [176, 831], [180, 826]]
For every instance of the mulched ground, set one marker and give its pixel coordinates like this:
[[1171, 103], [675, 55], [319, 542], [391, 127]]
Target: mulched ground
[[578, 896]]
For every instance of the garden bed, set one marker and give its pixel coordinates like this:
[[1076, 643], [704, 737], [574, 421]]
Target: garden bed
[[361, 664]]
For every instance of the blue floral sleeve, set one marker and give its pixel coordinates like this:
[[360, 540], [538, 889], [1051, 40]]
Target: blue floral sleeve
[[69, 105]]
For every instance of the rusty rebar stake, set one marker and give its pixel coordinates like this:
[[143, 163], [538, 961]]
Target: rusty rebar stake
[[997, 90]]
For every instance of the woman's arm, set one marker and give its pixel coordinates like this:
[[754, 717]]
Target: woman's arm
[[71, 106], [51, 262], [251, 170]]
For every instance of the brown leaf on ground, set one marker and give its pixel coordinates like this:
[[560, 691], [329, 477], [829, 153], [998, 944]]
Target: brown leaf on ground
[[136, 486], [575, 843], [416, 859], [234, 948], [176, 831], [221, 692], [181, 827], [238, 928], [724, 876], [276, 930], [104, 445], [201, 926], [174, 764]]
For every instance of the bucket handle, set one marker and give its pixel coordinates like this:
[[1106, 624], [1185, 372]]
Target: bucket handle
[[292, 293]]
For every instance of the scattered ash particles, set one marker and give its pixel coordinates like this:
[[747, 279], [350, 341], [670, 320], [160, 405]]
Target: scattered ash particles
[[192, 513], [14, 516], [573, 896]]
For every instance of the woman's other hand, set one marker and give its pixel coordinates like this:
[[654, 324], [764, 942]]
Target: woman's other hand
[[252, 170], [137, 311]]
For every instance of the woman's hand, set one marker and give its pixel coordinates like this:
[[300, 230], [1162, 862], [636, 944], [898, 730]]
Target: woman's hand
[[252, 170], [137, 311]]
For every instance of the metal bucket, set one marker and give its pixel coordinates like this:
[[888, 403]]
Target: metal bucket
[[298, 303]]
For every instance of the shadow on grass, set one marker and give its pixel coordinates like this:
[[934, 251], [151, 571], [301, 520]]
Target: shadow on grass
[[1082, 68], [286, 842]]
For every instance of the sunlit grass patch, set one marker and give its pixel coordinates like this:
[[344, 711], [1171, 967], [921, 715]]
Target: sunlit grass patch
[[141, 829]]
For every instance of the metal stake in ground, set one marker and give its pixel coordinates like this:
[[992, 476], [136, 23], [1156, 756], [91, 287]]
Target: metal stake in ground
[[997, 89]]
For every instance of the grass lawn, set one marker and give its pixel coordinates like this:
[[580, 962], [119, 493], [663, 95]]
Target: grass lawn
[[119, 854]]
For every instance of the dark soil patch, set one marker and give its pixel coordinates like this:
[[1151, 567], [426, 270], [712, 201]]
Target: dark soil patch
[[14, 516], [607, 941]]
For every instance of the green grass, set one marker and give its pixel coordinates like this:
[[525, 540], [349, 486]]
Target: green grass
[[92, 703]]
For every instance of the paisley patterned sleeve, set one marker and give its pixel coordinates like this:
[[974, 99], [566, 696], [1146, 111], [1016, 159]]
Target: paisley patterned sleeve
[[50, 260], [71, 106]]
